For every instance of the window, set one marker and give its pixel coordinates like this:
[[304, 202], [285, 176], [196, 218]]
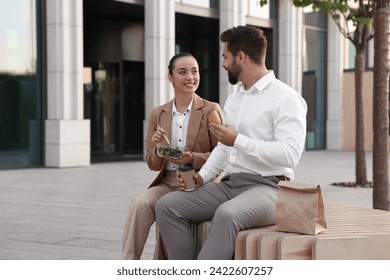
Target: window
[[314, 89], [20, 90]]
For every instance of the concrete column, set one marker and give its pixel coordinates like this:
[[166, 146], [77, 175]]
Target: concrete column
[[67, 138], [231, 13], [334, 124], [159, 48], [290, 45]]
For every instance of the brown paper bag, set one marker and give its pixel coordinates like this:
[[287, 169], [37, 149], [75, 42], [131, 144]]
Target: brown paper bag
[[300, 208]]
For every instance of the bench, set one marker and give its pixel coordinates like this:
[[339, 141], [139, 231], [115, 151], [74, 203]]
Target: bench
[[353, 233]]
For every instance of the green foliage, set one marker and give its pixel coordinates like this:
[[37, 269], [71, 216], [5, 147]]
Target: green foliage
[[360, 14], [357, 12], [263, 2], [338, 9]]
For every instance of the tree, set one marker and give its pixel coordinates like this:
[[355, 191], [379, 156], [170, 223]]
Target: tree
[[380, 105], [367, 17], [360, 14]]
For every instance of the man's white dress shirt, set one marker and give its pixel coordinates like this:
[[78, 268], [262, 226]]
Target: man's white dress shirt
[[270, 118]]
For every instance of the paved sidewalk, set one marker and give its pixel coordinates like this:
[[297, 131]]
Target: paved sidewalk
[[78, 213]]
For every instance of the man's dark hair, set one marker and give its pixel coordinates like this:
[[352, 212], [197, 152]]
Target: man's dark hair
[[171, 64], [251, 40]]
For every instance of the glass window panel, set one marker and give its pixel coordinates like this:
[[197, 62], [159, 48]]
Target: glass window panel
[[370, 54], [214, 4], [314, 87], [310, 51], [18, 37], [274, 11], [20, 98], [103, 105], [199, 36], [315, 19], [349, 58], [351, 55]]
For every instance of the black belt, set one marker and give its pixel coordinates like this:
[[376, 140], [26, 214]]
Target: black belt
[[282, 178]]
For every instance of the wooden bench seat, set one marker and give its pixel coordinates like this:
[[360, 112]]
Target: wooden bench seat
[[352, 233]]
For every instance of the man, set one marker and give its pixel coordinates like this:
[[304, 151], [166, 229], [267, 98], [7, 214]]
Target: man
[[261, 143]]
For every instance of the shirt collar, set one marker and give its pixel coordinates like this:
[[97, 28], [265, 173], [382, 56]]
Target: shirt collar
[[261, 84], [174, 110]]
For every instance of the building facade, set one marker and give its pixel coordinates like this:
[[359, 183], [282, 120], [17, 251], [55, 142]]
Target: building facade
[[79, 78]]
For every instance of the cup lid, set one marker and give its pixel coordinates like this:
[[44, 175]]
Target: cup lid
[[186, 167]]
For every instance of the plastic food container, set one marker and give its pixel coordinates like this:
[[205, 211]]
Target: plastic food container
[[169, 151]]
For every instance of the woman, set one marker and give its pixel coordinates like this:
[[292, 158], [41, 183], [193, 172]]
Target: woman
[[182, 122]]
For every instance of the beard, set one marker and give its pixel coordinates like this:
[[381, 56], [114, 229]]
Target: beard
[[233, 73]]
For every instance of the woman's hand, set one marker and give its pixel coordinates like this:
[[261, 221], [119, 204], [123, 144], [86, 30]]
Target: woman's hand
[[186, 157], [158, 137]]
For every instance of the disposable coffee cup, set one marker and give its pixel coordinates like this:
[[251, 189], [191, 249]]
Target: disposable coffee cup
[[187, 172]]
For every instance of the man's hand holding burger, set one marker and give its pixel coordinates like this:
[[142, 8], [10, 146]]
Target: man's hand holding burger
[[224, 133]]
